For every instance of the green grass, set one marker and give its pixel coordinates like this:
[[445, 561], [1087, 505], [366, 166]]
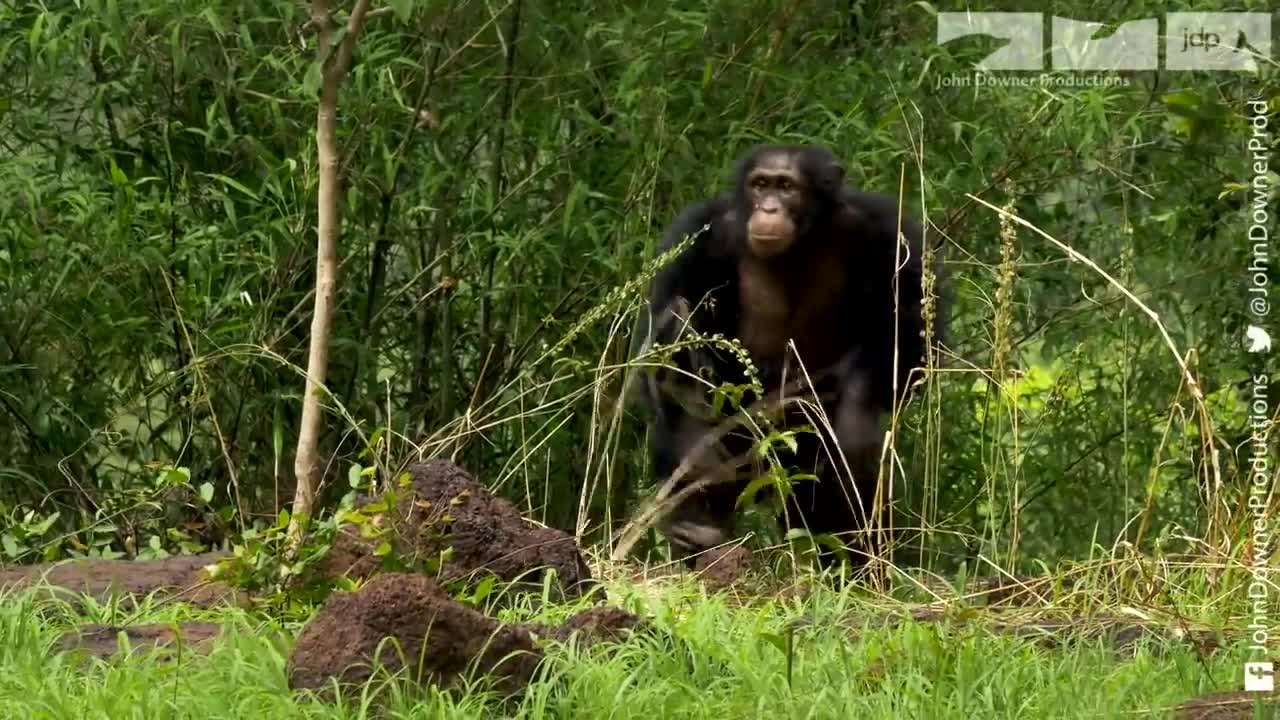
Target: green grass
[[716, 658]]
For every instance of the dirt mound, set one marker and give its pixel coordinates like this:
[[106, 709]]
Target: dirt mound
[[1225, 706], [442, 521], [103, 640], [432, 636], [179, 578], [443, 507], [723, 567]]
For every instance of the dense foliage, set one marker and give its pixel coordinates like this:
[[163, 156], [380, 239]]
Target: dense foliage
[[507, 170]]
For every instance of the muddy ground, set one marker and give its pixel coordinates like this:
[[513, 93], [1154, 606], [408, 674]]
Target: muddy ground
[[105, 640], [180, 578]]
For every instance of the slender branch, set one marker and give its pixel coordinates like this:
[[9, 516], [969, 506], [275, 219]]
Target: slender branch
[[307, 462]]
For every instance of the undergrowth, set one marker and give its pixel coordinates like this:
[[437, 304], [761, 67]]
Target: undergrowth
[[820, 654]]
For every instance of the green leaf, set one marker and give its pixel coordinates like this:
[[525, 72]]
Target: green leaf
[[748, 494], [927, 7], [311, 81], [376, 437], [570, 204], [37, 29], [384, 549], [42, 527], [785, 645], [176, 476], [796, 534], [402, 8], [717, 404], [789, 439], [355, 517], [775, 640], [231, 183], [277, 433], [1182, 100], [176, 54], [206, 492], [484, 588], [118, 178], [214, 21]]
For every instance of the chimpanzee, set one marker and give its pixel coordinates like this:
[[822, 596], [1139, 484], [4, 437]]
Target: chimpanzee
[[791, 256]]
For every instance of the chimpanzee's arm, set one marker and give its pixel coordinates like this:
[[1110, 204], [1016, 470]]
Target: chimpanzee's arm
[[887, 323], [699, 269], [679, 297]]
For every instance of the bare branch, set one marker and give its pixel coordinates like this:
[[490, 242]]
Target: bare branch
[[307, 461]]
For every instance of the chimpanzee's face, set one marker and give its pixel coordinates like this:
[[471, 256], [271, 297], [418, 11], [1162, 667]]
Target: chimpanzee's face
[[778, 200]]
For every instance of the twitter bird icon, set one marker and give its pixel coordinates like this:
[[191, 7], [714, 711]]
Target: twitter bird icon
[[1257, 339]]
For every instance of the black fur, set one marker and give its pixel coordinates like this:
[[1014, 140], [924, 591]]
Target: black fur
[[845, 334]]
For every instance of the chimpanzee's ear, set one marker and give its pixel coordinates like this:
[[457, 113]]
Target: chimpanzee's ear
[[835, 174], [830, 176]]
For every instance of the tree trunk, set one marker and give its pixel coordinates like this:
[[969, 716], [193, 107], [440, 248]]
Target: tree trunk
[[306, 464]]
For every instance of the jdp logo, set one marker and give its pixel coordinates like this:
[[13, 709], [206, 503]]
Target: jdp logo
[[1193, 41]]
